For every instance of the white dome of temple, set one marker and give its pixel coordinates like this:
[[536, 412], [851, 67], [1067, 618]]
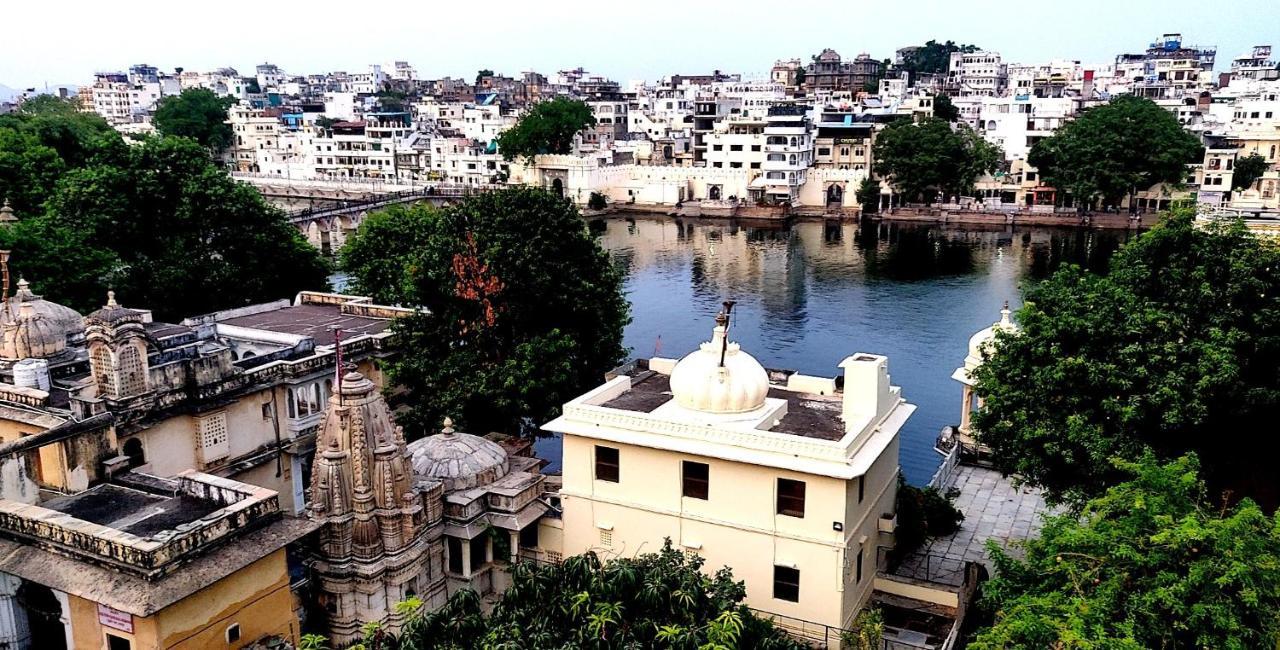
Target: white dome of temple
[[983, 338], [719, 377], [460, 460]]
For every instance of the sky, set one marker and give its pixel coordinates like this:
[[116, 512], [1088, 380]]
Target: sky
[[65, 41]]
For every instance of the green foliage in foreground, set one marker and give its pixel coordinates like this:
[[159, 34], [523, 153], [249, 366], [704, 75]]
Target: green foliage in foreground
[[1150, 564], [656, 600], [1175, 350]]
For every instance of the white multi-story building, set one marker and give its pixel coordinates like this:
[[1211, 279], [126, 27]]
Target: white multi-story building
[[789, 151], [736, 144], [270, 77], [1016, 122], [1256, 65], [977, 73]]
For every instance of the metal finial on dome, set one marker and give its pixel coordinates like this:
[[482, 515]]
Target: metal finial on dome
[[448, 427]]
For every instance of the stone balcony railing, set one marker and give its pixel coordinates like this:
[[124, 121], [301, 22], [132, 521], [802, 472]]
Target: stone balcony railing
[[244, 507]]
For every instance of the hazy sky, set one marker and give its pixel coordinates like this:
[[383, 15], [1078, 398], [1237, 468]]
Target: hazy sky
[[65, 41]]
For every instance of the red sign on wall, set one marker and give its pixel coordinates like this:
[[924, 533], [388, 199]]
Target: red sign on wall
[[115, 619]]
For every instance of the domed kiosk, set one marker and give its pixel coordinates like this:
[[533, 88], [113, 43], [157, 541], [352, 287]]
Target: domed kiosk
[[486, 491], [981, 344]]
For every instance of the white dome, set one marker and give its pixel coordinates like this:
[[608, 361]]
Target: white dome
[[700, 382], [462, 461], [983, 338]]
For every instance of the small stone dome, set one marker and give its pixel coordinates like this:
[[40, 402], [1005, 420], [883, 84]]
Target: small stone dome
[[29, 335], [462, 461], [702, 382], [983, 338], [70, 320], [113, 313]]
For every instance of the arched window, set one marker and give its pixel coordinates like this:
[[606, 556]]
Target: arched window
[[133, 450], [132, 372]]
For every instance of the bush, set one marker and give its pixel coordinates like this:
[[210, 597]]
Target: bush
[[923, 513], [597, 201]]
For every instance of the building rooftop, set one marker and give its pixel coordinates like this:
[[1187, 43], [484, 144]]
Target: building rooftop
[[808, 415], [313, 320], [133, 511]]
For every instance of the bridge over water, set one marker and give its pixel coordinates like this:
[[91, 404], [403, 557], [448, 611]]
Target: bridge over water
[[348, 201]]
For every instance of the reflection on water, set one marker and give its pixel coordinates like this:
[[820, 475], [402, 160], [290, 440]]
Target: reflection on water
[[811, 294]]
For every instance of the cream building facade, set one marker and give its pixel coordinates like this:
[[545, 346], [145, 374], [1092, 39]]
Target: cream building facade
[[788, 479]]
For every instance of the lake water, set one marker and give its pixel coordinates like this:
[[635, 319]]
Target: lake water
[[813, 293]]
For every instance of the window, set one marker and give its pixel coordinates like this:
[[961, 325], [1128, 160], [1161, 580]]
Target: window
[[607, 464], [454, 551], [606, 538], [118, 643], [529, 536], [786, 583], [858, 567], [479, 548], [213, 436], [717, 147], [862, 487], [694, 479], [824, 151], [790, 497], [266, 410], [755, 147], [233, 633], [735, 147]]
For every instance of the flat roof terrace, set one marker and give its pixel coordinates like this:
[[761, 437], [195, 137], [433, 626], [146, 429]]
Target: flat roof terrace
[[808, 415], [315, 321]]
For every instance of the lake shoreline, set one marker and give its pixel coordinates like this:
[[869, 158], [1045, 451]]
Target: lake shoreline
[[1106, 221]]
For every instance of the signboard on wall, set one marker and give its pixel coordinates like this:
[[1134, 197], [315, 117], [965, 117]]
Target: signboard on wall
[[115, 619]]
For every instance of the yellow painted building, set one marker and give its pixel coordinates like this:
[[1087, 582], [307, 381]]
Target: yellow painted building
[[787, 479]]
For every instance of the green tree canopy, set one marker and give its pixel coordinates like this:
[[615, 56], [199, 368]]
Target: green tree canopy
[[547, 128], [1151, 563], [869, 195], [933, 57], [526, 309], [925, 157], [1114, 150], [163, 226], [1248, 169], [481, 74], [196, 113], [40, 142], [655, 600], [1175, 350], [943, 109]]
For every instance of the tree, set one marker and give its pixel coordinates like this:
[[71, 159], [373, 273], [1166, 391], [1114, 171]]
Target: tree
[[923, 158], [1149, 564], [525, 309], [932, 57], [547, 128], [163, 226], [482, 74], [801, 75], [943, 109], [40, 142], [869, 195], [1114, 150], [655, 600], [196, 113], [382, 254], [1174, 351], [325, 122], [1248, 169]]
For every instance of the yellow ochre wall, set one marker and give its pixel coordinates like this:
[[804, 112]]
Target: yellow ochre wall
[[737, 526], [256, 597]]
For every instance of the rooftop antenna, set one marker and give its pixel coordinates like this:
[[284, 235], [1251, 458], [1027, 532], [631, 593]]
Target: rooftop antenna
[[722, 320], [340, 368]]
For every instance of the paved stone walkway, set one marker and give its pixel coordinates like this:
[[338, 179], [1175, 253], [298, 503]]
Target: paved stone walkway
[[993, 509]]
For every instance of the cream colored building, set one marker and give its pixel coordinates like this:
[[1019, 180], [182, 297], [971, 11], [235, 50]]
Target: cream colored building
[[790, 480]]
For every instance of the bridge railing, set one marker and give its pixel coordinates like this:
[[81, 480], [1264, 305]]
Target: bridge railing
[[349, 206]]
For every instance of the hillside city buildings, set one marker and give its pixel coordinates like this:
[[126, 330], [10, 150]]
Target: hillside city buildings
[[711, 142]]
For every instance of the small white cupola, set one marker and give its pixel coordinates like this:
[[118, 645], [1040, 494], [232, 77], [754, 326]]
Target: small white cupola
[[719, 377]]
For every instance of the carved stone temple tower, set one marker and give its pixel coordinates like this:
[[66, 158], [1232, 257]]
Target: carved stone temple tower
[[380, 540]]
